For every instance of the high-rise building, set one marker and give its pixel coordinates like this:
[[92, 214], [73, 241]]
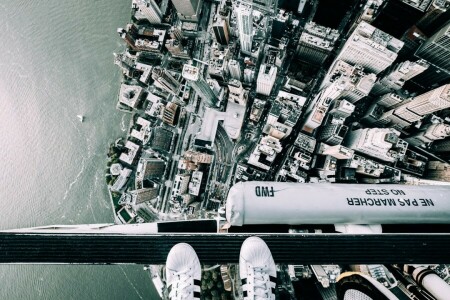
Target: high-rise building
[[429, 102], [266, 79], [436, 49], [244, 15], [432, 133], [144, 195], [165, 80], [147, 9], [188, 10], [395, 77], [332, 134], [149, 168], [235, 69], [221, 30], [390, 100], [442, 146], [397, 16], [437, 170], [171, 113], [201, 87], [412, 40], [371, 48], [351, 81], [342, 109], [249, 75], [316, 43], [436, 16], [381, 143]]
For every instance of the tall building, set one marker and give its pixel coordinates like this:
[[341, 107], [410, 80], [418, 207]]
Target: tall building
[[381, 143], [266, 79], [429, 102], [351, 81], [244, 15], [171, 113], [332, 134], [316, 43], [249, 75], [144, 195], [390, 100], [432, 133], [395, 77], [201, 87], [412, 40], [221, 30], [436, 50], [396, 16], [442, 146], [165, 80], [235, 69], [371, 48], [149, 168], [188, 10], [148, 10], [436, 16]]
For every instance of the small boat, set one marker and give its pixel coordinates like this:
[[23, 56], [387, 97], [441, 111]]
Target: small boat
[[81, 118]]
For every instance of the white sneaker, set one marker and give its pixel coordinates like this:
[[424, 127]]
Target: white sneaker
[[353, 285], [257, 270], [183, 273]]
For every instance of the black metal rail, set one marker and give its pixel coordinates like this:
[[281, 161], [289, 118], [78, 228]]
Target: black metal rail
[[224, 248]]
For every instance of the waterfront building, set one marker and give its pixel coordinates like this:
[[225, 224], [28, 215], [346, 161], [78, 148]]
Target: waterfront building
[[371, 48], [266, 79], [380, 143], [188, 10], [148, 10], [235, 69], [130, 154], [121, 180], [141, 130], [130, 95], [166, 81], [221, 30], [199, 84], [146, 72], [316, 43], [244, 14], [150, 168], [144, 195], [171, 113]]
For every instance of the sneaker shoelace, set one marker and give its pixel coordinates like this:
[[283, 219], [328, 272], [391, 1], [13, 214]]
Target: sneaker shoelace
[[261, 287], [182, 286]]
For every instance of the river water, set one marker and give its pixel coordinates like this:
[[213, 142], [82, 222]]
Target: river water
[[56, 62]]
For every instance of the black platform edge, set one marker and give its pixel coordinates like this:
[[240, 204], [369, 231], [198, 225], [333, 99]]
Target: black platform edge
[[224, 248]]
